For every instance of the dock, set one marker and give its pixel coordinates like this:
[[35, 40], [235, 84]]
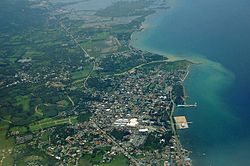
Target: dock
[[186, 105]]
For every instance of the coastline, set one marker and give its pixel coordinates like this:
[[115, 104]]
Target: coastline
[[154, 84], [182, 151], [207, 84], [202, 64]]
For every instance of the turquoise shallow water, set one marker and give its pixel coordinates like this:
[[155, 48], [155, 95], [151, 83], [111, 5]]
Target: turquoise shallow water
[[215, 33]]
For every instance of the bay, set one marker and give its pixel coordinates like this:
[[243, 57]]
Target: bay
[[215, 34]]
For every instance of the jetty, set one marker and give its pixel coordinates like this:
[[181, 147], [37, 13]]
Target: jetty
[[186, 105]]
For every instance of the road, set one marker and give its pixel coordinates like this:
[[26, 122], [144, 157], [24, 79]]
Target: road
[[131, 158], [175, 134], [86, 79], [179, 147], [141, 65], [72, 102], [187, 72], [86, 55]]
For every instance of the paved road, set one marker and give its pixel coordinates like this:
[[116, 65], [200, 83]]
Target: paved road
[[131, 158], [84, 51], [141, 65], [178, 143], [86, 55], [86, 79]]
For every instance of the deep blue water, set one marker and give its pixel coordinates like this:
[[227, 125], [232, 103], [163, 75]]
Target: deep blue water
[[217, 34]]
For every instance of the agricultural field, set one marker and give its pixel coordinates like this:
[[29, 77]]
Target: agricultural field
[[56, 70], [49, 122]]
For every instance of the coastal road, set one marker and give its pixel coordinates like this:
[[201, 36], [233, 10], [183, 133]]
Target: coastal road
[[187, 72], [178, 143], [141, 65]]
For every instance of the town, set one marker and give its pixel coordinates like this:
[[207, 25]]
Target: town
[[81, 94]]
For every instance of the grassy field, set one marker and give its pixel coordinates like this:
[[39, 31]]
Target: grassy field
[[50, 122], [120, 160], [85, 160], [21, 130], [31, 53], [81, 73], [24, 101], [101, 36], [6, 148], [124, 8], [63, 103]]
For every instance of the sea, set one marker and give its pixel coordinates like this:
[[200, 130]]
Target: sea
[[215, 35]]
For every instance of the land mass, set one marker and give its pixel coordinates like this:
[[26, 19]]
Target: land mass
[[74, 91]]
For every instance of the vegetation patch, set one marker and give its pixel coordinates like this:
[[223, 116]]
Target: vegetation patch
[[119, 160], [24, 102], [50, 122], [6, 149], [81, 73], [19, 130], [125, 8]]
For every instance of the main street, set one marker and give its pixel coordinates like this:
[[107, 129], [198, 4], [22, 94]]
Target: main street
[[131, 158]]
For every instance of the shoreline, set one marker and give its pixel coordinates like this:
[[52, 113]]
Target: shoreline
[[210, 104], [209, 71], [170, 58]]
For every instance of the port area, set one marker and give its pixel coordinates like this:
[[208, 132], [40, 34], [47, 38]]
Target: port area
[[181, 122]]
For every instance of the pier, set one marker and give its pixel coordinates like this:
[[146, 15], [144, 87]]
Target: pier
[[186, 105]]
